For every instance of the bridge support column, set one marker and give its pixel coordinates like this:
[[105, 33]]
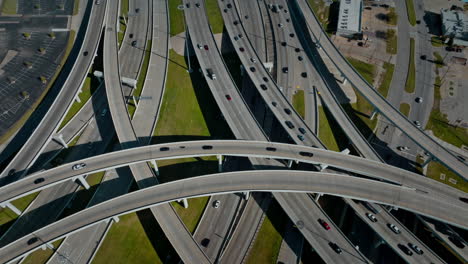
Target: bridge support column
[[115, 219], [374, 113], [77, 98], [11, 207], [60, 140], [184, 202], [379, 242], [324, 166], [343, 214], [82, 181], [155, 167], [220, 162], [393, 208], [317, 196], [47, 245], [242, 69], [429, 159], [246, 195], [290, 163]]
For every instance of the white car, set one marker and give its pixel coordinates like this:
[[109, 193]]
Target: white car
[[79, 166], [394, 228], [199, 46], [419, 100], [216, 204], [371, 217], [253, 60]]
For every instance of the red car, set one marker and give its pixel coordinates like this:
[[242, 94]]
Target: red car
[[324, 224], [206, 47], [228, 97]]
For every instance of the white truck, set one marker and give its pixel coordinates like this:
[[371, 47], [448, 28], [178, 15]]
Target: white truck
[[211, 73]]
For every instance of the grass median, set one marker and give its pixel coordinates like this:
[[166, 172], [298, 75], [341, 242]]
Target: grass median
[[392, 41], [9, 7], [298, 102], [214, 16], [176, 17], [410, 84], [411, 12], [405, 109], [41, 256], [387, 79]]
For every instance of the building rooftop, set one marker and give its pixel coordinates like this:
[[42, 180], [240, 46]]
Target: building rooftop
[[349, 20], [454, 24]]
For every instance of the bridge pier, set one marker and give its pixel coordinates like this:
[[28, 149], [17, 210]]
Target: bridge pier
[[379, 242], [47, 245], [290, 163], [246, 195], [115, 219], [184, 202], [374, 113], [324, 166], [77, 98], [317, 196], [60, 140], [426, 162], [82, 181], [220, 162], [11, 207], [155, 167]]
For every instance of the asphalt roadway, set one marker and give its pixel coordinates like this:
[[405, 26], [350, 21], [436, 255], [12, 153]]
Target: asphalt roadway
[[49, 124], [289, 181], [430, 188], [384, 107]]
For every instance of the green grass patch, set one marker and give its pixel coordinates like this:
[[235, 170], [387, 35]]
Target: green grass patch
[[76, 7], [366, 70], [24, 118], [298, 102], [131, 106], [143, 71], [441, 128], [41, 256], [392, 16], [214, 16], [268, 241], [127, 242], [434, 171], [387, 79], [90, 85], [437, 42], [361, 111], [9, 7], [410, 84], [438, 60], [124, 7], [6, 215], [411, 12], [321, 11], [192, 215], [392, 41], [405, 109], [176, 17], [326, 132]]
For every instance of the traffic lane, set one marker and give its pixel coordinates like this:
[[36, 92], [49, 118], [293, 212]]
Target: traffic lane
[[215, 223], [380, 227], [37, 141], [245, 52], [234, 182], [385, 108], [232, 148], [253, 20], [307, 221]]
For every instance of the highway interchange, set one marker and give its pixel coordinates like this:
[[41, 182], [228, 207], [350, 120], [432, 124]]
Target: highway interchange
[[395, 186]]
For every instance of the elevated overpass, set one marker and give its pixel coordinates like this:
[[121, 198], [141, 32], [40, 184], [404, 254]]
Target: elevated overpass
[[271, 181]]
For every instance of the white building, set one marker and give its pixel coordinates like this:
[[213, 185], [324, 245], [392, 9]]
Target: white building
[[349, 19]]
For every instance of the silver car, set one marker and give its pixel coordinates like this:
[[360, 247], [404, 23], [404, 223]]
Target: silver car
[[79, 166]]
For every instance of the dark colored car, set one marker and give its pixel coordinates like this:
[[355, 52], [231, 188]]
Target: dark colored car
[[405, 249], [335, 247], [270, 149], [274, 104], [137, 10], [306, 154], [285, 69], [205, 242], [206, 47], [264, 88], [287, 111], [229, 6], [33, 240], [304, 74], [302, 130], [131, 35], [197, 4], [228, 97], [164, 149], [207, 147], [252, 69], [241, 49], [289, 124], [297, 49], [300, 58], [134, 43], [187, 5], [85, 53], [291, 35], [236, 22], [265, 79], [283, 44], [423, 57], [39, 180]]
